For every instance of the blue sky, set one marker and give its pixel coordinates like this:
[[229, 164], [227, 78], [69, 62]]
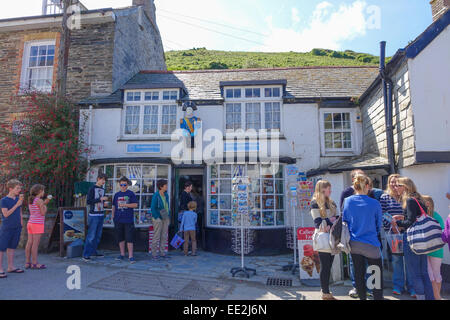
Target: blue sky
[[273, 26]]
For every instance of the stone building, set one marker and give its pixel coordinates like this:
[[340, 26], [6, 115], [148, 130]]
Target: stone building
[[110, 47]]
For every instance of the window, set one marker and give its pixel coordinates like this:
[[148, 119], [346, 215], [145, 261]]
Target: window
[[233, 115], [132, 120], [253, 116], [253, 111], [272, 116], [170, 95], [37, 68], [169, 119], [142, 117], [233, 93], [267, 192], [252, 92], [271, 92], [143, 178], [337, 131]]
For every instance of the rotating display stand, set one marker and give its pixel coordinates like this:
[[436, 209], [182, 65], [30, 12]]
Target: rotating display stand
[[242, 238]]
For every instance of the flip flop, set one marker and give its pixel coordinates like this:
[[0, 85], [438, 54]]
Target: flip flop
[[28, 265], [3, 275], [41, 266], [17, 270]]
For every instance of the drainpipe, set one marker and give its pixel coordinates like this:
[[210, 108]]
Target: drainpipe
[[91, 114], [387, 93]]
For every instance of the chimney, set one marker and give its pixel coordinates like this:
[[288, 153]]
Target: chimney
[[439, 7], [149, 8]]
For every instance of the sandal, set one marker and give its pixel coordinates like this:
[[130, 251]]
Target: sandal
[[28, 265], [3, 275], [17, 270], [41, 266]]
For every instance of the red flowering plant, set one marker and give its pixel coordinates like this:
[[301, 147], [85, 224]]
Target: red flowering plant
[[45, 145]]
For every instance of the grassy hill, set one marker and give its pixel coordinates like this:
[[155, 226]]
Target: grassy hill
[[201, 58]]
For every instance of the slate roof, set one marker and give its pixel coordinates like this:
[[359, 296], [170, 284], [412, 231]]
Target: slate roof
[[305, 82], [365, 162]]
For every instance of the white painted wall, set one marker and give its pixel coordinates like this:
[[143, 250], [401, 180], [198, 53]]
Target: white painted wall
[[430, 94], [433, 180]]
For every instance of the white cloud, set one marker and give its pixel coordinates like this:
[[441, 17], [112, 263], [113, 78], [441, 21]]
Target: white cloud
[[328, 28], [295, 16]]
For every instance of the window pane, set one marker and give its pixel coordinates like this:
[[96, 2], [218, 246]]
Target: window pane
[[173, 95], [166, 95], [225, 171], [50, 60], [267, 92], [268, 218], [41, 61], [328, 140], [248, 93], [229, 93], [33, 61], [132, 120], [276, 92], [256, 93], [225, 202], [42, 50], [280, 218], [34, 51], [237, 93], [129, 96], [51, 50]]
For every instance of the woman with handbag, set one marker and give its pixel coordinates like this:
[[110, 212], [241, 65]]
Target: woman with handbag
[[413, 204], [323, 212], [364, 219], [160, 219]]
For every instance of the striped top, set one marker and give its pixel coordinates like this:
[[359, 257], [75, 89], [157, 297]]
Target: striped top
[[390, 206], [35, 213]]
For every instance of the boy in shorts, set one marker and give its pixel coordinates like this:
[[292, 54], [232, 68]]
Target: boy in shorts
[[123, 216], [11, 227]]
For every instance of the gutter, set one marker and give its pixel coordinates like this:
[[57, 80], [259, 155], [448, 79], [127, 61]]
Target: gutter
[[387, 93]]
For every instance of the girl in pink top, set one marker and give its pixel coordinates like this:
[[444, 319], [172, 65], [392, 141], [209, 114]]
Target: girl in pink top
[[35, 226]]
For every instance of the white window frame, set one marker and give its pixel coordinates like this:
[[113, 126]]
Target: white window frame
[[354, 139], [142, 103], [262, 100], [26, 60]]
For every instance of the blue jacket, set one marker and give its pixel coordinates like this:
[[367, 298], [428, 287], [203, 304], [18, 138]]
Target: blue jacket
[[188, 221], [364, 219], [157, 205]]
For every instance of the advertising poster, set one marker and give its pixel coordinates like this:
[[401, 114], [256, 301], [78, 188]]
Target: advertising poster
[[308, 258], [74, 222]]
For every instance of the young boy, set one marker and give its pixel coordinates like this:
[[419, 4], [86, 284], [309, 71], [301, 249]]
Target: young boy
[[188, 226], [123, 216], [95, 199], [11, 226]]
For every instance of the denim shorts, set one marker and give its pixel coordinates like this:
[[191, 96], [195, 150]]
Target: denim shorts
[[9, 238], [124, 232]]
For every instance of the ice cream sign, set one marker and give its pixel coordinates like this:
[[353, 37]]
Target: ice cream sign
[[308, 258]]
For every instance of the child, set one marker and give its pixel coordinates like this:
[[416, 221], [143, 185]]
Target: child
[[123, 216], [188, 226], [35, 225], [11, 226], [96, 200]]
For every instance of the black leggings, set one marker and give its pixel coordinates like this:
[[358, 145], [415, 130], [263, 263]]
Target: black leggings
[[326, 261], [359, 265]]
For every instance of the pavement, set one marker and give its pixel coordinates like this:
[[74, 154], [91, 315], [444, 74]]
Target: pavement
[[206, 276]]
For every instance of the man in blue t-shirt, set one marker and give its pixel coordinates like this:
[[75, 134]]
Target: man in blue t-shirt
[[11, 227], [123, 216]]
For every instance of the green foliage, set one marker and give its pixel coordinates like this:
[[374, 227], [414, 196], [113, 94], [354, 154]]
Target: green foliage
[[203, 59]]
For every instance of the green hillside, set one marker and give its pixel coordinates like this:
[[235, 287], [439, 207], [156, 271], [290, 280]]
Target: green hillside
[[201, 58]]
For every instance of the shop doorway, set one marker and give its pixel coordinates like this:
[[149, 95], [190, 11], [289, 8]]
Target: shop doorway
[[195, 176]]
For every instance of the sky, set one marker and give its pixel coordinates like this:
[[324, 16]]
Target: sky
[[273, 26]]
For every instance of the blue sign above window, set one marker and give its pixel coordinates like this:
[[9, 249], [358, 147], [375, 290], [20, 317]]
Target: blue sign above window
[[144, 148]]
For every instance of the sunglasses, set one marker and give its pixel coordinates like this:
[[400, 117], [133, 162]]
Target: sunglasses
[[123, 185]]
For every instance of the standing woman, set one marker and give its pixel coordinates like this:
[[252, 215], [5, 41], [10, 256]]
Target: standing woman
[[416, 264], [35, 226], [160, 219], [391, 204], [364, 219], [435, 258], [324, 209]]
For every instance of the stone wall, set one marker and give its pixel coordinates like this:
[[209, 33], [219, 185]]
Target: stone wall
[[373, 116]]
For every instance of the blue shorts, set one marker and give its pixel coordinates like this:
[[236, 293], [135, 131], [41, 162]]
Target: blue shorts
[[9, 238]]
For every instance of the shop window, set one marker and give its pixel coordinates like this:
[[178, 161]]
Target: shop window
[[267, 192], [37, 66], [143, 178]]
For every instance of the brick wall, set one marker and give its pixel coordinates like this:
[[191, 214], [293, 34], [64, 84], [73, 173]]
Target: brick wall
[[438, 7], [374, 127]]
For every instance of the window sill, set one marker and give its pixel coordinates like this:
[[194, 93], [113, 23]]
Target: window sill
[[340, 154], [232, 136], [157, 138]]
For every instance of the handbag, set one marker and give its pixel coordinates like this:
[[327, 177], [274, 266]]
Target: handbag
[[177, 241], [164, 213], [425, 235], [321, 239]]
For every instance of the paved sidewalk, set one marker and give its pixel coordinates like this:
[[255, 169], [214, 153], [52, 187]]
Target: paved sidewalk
[[206, 276]]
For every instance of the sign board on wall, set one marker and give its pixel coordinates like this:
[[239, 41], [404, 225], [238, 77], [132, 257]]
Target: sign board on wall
[[144, 148], [308, 258]]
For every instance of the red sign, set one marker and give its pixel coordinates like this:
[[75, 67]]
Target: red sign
[[305, 233]]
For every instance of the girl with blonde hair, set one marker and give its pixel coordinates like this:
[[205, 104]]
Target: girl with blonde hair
[[324, 209], [435, 258], [364, 219], [412, 202], [391, 204]]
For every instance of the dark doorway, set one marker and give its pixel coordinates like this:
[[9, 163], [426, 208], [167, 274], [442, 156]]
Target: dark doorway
[[197, 195]]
